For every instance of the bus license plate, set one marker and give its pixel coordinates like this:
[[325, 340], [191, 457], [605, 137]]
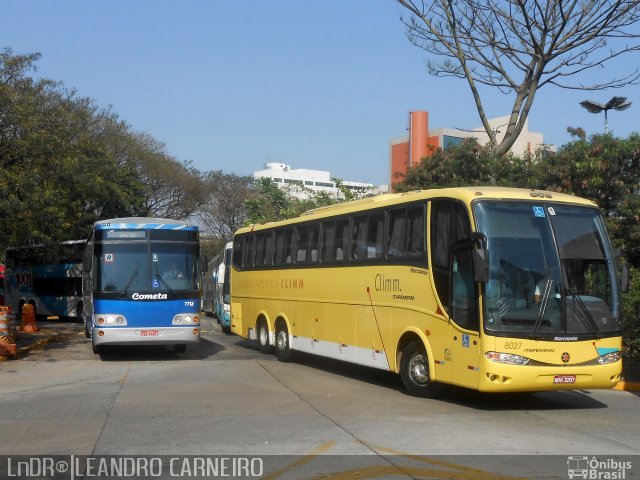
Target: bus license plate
[[149, 333], [564, 379]]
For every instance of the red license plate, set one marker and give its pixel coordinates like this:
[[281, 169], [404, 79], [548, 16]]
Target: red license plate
[[149, 333], [564, 379]]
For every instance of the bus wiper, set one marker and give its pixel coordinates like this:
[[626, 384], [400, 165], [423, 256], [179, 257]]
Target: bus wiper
[[543, 308], [166, 285], [133, 276], [583, 313]]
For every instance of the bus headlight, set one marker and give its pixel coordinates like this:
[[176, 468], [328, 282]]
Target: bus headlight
[[609, 358], [508, 358]]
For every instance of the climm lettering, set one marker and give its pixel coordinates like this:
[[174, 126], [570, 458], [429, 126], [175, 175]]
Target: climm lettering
[[385, 284], [292, 283]]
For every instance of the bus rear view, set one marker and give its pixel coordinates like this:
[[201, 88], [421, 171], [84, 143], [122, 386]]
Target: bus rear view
[[141, 283]]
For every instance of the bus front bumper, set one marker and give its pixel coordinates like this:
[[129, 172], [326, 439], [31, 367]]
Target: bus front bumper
[[146, 336], [512, 378]]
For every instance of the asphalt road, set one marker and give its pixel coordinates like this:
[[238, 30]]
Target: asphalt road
[[223, 397]]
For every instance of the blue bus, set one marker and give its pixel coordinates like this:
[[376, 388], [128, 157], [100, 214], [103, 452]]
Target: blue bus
[[141, 283], [49, 277], [222, 297]]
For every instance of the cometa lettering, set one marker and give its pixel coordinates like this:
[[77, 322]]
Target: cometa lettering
[[149, 296]]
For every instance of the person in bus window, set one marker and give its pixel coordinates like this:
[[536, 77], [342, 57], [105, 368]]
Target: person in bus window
[[173, 273]]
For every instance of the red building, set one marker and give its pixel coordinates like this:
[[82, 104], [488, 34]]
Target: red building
[[407, 152]]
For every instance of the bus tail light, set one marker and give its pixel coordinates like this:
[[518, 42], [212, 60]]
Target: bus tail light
[[185, 319], [111, 319]]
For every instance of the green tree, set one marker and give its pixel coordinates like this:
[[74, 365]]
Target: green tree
[[65, 163], [466, 164], [58, 169], [270, 203]]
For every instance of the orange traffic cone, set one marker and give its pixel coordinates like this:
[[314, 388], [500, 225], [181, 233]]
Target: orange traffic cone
[[4, 322], [7, 345], [28, 324]]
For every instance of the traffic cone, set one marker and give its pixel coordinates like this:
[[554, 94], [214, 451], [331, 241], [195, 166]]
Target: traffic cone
[[7, 345], [28, 324]]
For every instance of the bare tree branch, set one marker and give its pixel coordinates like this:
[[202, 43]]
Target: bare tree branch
[[520, 46]]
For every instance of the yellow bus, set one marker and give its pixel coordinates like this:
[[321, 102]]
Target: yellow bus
[[494, 289]]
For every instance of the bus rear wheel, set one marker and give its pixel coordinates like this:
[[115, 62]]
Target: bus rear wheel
[[283, 350], [414, 371]]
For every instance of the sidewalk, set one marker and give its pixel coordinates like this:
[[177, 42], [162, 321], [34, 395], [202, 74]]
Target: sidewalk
[[48, 331]]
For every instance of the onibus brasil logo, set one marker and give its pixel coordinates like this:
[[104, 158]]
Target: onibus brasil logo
[[594, 468]]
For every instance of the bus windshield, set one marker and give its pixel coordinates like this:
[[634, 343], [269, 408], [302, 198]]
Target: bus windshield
[[142, 267], [552, 271]]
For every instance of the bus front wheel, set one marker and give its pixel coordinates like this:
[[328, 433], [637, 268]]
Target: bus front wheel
[[283, 350], [414, 371]]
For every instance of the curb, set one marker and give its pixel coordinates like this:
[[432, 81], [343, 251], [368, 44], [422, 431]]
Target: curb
[[623, 385], [37, 345]]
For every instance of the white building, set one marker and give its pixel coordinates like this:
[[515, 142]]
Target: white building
[[527, 142], [298, 180]]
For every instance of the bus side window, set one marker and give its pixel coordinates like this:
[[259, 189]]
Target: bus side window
[[302, 241], [238, 253], [463, 306], [449, 223], [328, 253], [260, 243], [282, 255], [268, 249], [342, 240], [249, 251], [396, 233], [359, 238], [314, 234], [375, 236]]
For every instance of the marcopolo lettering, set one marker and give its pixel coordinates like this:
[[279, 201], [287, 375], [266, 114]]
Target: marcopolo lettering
[[149, 296]]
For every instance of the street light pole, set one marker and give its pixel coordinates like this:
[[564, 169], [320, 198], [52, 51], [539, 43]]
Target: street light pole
[[616, 103]]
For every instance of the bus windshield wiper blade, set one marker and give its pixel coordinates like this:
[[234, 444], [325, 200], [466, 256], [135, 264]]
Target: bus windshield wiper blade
[[583, 313], [543, 308], [133, 276]]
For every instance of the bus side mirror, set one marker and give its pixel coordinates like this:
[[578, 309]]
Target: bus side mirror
[[480, 257], [205, 264]]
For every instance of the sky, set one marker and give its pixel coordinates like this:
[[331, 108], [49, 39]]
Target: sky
[[232, 85]]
